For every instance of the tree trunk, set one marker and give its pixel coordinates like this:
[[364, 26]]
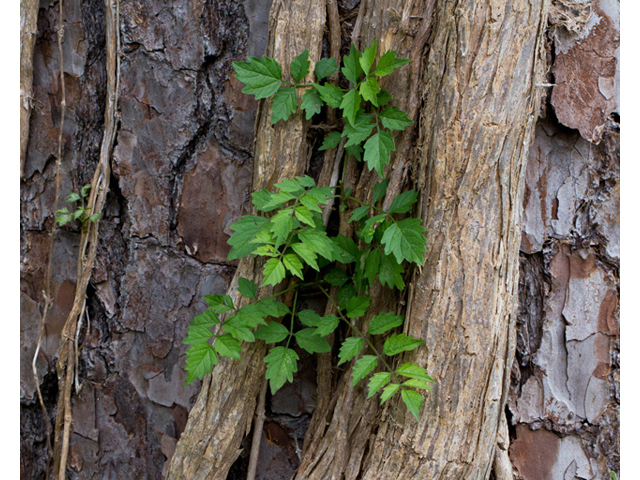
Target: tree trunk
[[189, 143]]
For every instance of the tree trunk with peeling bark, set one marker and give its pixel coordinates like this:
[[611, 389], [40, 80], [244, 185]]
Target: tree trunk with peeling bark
[[471, 91]]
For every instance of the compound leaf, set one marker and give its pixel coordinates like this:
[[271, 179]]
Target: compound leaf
[[332, 140], [411, 370], [331, 94], [300, 66], [384, 322], [244, 230], [368, 57], [369, 90], [327, 325], [350, 105], [281, 365], [380, 190], [413, 401], [350, 348], [326, 67], [285, 103], [274, 332], [293, 264], [377, 151], [405, 239], [352, 69], [247, 288], [395, 119], [403, 202], [391, 272], [363, 367], [311, 102], [359, 213], [200, 360], [358, 306], [262, 77], [197, 334], [388, 63], [358, 131], [319, 242], [378, 380], [227, 346], [388, 392], [307, 254], [309, 340], [274, 272], [397, 343], [336, 277]]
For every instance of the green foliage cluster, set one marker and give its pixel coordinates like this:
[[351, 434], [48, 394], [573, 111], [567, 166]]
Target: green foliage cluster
[[289, 232], [82, 212]]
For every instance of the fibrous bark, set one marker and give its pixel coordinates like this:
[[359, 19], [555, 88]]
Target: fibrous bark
[[28, 28]]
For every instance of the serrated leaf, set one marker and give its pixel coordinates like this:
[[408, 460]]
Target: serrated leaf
[[398, 343], [380, 190], [95, 217], [318, 240], [293, 264], [300, 66], [247, 288], [311, 103], [350, 105], [84, 191], [281, 365], [73, 197], [306, 181], [326, 325], [326, 67], [413, 401], [274, 332], [244, 230], [345, 294], [261, 198], [388, 392], [262, 77], [384, 322], [388, 63], [363, 367], [332, 140], [307, 254], [403, 202], [227, 346], [350, 348], [78, 213], [304, 215], [377, 381], [405, 239], [414, 383], [330, 94], [355, 151], [369, 90], [285, 103], [368, 57], [369, 229], [391, 272], [395, 119], [348, 250], [377, 151], [197, 334], [336, 277], [358, 306], [268, 307], [309, 317], [219, 303], [200, 360], [281, 225], [372, 265], [411, 370], [311, 203], [383, 98], [308, 340], [274, 272], [359, 213], [360, 130], [266, 251], [206, 318], [291, 186], [243, 333], [352, 69]]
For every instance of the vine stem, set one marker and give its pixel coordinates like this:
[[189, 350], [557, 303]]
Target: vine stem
[[257, 433]]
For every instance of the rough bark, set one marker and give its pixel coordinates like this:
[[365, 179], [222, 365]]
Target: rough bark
[[28, 29]]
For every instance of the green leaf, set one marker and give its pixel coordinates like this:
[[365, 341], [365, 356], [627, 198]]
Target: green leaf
[[397, 343], [411, 370], [95, 217], [206, 319], [243, 333], [326, 67], [336, 277], [358, 306], [403, 202], [309, 318], [306, 181], [352, 69], [380, 190], [350, 348], [368, 57], [377, 151], [388, 392], [383, 98], [391, 272], [363, 367], [414, 383], [321, 194], [300, 66], [360, 130], [372, 265], [332, 140], [84, 191], [278, 199], [77, 214], [285, 103], [311, 103], [266, 251], [350, 105], [268, 307], [388, 63], [247, 288], [307, 254], [281, 365], [413, 401], [319, 242], [244, 230], [227, 346], [304, 215], [281, 225], [261, 77], [348, 248], [369, 229], [359, 213], [200, 360], [274, 272], [355, 151], [293, 264], [291, 186], [261, 198], [331, 94], [274, 332], [405, 239], [326, 325], [345, 294], [395, 119], [219, 303], [377, 381], [73, 197], [311, 342], [369, 90], [384, 322], [197, 334]]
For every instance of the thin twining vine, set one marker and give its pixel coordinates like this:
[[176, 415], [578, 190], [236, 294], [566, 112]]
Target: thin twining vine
[[290, 233]]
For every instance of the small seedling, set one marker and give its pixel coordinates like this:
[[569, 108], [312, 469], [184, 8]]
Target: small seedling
[[82, 213]]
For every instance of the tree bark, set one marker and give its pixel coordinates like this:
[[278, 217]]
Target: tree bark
[[28, 29]]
